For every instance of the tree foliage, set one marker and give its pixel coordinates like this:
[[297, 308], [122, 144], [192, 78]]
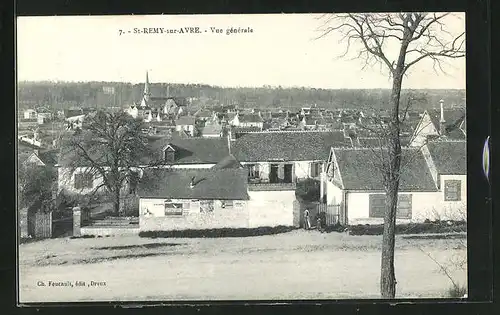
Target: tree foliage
[[110, 147], [36, 184]]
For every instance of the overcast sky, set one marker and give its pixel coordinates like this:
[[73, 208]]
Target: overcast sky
[[281, 50]]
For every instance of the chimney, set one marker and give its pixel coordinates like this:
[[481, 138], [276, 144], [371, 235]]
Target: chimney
[[191, 184], [442, 121]]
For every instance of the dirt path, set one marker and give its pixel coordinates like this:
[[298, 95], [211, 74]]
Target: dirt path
[[275, 267]]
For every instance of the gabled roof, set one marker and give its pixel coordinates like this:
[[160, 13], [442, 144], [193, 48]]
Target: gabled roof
[[360, 170], [453, 118], [250, 118], [212, 129], [191, 150], [450, 157], [228, 162], [286, 145], [48, 157], [203, 113], [220, 184], [185, 120]]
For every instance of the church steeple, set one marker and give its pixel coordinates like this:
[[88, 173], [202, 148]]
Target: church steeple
[[147, 94]]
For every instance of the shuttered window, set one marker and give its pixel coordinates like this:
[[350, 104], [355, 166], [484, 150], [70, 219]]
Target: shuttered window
[[452, 190], [377, 206]]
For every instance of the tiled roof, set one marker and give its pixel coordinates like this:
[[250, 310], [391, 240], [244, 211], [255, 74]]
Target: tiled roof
[[203, 113], [453, 118], [228, 162], [450, 157], [48, 157], [224, 184], [191, 150], [185, 120], [212, 129], [245, 129], [286, 145], [251, 118], [360, 170]]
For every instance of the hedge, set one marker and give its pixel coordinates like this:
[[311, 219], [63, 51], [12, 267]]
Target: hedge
[[215, 233], [411, 228]]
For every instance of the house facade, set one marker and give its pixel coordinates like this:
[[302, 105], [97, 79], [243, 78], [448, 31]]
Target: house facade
[[282, 158], [187, 124], [209, 199], [426, 191]]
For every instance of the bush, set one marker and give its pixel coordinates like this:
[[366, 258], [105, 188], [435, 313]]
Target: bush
[[215, 233], [456, 291], [308, 190], [411, 228]]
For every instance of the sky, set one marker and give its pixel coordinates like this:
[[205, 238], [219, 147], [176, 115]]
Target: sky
[[282, 50]]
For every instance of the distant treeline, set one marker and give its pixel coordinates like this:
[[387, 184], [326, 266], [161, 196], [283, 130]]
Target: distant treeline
[[103, 94]]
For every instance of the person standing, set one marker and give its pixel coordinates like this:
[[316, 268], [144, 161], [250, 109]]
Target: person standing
[[307, 222]]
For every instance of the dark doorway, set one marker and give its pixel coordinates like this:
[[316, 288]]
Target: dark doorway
[[288, 170], [273, 173]]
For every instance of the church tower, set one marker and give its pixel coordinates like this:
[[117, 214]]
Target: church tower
[[147, 94]]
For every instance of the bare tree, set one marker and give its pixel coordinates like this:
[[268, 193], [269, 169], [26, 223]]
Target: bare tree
[[416, 36], [110, 147]]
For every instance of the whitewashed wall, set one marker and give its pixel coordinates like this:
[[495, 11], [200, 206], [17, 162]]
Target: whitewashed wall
[[425, 205], [271, 208], [333, 194], [424, 129], [66, 180], [192, 218]]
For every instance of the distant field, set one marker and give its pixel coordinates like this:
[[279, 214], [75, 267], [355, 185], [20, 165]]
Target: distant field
[[294, 265]]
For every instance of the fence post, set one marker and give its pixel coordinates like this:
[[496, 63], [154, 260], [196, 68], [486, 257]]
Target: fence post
[[77, 221]]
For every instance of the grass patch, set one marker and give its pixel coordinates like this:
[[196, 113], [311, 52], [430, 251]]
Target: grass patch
[[456, 291], [146, 246], [216, 233], [437, 227]]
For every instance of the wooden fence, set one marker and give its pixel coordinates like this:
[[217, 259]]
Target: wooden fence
[[332, 213], [40, 224]]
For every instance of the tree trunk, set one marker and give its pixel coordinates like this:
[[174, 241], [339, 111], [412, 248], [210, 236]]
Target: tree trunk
[[387, 274], [116, 202]]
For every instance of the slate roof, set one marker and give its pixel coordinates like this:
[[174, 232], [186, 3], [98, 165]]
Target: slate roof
[[450, 157], [360, 170], [73, 112], [191, 150], [204, 113], [48, 157], [286, 145], [223, 184]]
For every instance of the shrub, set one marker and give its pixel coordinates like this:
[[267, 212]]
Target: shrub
[[456, 291], [215, 233], [411, 228], [308, 190]]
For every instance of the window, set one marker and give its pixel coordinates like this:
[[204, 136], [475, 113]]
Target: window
[[377, 206], [315, 169], [253, 171], [404, 207], [173, 208], [226, 203], [452, 190], [169, 154], [83, 180]]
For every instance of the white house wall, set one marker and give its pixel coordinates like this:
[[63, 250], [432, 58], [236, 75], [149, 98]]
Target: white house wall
[[424, 129], [66, 180], [425, 205], [192, 218], [271, 208], [333, 194]]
